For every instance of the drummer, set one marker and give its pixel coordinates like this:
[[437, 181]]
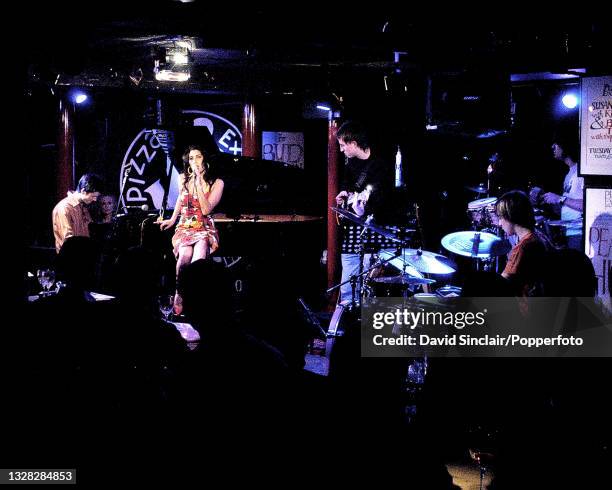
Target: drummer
[[526, 264], [366, 182], [571, 203]]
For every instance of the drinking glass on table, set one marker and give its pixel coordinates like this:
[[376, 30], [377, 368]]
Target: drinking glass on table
[[46, 279], [166, 303]]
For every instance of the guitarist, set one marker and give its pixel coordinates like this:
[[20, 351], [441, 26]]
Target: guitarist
[[365, 183]]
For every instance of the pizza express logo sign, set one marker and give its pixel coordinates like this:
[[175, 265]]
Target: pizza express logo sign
[[147, 168]]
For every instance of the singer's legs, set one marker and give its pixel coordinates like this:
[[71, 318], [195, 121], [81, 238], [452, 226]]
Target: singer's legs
[[185, 253], [200, 250]]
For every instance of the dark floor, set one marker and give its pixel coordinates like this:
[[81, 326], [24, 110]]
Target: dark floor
[[522, 423]]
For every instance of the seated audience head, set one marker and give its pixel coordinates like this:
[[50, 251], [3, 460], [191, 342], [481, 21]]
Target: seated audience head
[[206, 290], [137, 275], [570, 274], [76, 262]]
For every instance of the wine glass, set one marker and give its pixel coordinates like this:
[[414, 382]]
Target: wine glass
[[166, 303], [46, 279]]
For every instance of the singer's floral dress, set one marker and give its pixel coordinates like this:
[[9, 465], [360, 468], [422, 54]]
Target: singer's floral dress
[[193, 225]]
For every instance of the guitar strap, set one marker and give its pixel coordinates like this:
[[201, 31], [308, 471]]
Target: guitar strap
[[361, 180]]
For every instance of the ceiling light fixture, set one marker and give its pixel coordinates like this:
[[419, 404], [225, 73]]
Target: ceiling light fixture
[[173, 63], [172, 74]]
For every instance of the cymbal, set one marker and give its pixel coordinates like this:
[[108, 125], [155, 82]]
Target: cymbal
[[480, 188], [475, 244], [565, 222], [428, 262], [351, 216], [363, 222], [423, 261], [403, 279]]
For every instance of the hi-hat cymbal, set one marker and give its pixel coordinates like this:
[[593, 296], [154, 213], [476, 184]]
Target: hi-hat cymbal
[[480, 188], [403, 279], [475, 244], [363, 222]]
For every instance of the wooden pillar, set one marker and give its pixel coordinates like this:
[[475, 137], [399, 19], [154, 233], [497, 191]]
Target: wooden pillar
[[333, 249], [64, 171], [250, 136]]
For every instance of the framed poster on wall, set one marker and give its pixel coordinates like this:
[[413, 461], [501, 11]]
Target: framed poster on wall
[[598, 239], [283, 146], [596, 126]]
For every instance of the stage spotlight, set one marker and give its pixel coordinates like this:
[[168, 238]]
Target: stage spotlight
[[78, 97], [323, 107], [570, 100]]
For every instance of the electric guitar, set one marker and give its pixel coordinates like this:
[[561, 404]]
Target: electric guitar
[[351, 201]]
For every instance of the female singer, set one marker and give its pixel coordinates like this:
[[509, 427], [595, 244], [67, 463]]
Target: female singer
[[199, 193]]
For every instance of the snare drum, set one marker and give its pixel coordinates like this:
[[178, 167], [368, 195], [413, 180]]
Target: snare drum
[[432, 302], [449, 291], [482, 212]]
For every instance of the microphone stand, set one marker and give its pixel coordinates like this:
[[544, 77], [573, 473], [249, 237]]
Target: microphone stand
[[121, 189], [354, 277]]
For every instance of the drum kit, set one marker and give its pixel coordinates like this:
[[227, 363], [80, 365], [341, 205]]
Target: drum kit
[[393, 272], [483, 243], [478, 189], [554, 229], [482, 213], [404, 271], [412, 273], [399, 272]]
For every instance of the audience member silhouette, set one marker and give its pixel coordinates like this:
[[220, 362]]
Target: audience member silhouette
[[272, 313], [570, 273], [151, 349], [234, 378], [55, 350]]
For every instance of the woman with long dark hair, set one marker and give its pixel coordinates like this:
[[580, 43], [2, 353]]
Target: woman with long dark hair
[[199, 193]]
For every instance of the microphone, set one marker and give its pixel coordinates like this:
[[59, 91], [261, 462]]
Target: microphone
[[144, 207], [125, 176], [123, 182]]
